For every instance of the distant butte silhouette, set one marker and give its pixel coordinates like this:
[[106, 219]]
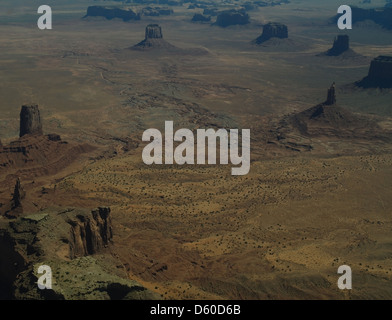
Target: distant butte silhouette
[[153, 39], [380, 74], [272, 30]]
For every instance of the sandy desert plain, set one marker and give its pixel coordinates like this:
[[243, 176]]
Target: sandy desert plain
[[309, 204]]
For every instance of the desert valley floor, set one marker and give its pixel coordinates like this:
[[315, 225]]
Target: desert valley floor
[[318, 194]]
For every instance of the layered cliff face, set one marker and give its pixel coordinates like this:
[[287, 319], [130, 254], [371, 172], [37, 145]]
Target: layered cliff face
[[380, 74], [111, 13], [153, 31], [272, 30], [30, 121], [73, 243], [90, 234]]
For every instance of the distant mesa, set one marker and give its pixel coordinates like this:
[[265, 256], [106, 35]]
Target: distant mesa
[[153, 39], [198, 17], [163, 2], [249, 6], [156, 11], [232, 17], [211, 12], [272, 30], [380, 74], [198, 6], [30, 121], [112, 12]]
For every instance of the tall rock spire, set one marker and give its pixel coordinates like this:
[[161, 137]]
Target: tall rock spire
[[30, 121], [331, 96]]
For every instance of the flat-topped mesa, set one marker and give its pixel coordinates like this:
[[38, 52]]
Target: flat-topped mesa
[[381, 69], [198, 17], [331, 96], [30, 121], [153, 31], [232, 17], [380, 74], [111, 13], [340, 45], [272, 30]]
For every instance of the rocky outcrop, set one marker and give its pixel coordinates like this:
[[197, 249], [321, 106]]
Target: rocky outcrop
[[54, 137], [40, 154], [329, 119], [18, 195], [198, 17], [232, 17], [44, 238], [14, 208], [272, 30], [90, 234], [380, 74], [30, 121], [111, 13], [327, 129]]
